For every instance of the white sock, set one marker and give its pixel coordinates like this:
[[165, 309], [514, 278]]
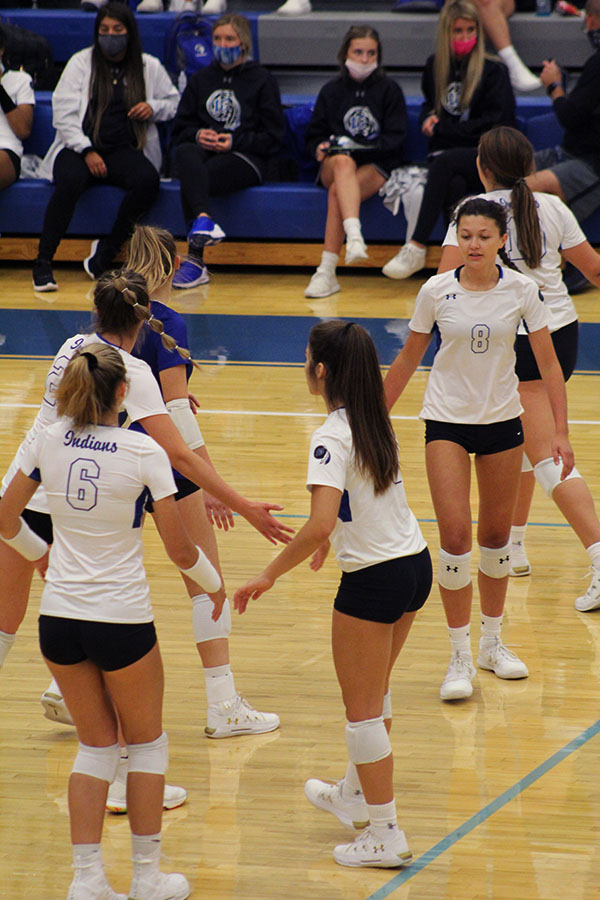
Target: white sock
[[460, 638], [490, 628], [594, 554], [220, 684], [329, 261], [383, 818], [145, 848], [86, 855], [517, 534], [351, 783], [517, 69], [352, 228], [6, 642]]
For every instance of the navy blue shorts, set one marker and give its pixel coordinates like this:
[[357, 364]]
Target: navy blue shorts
[[565, 342], [109, 645], [479, 439], [184, 486], [385, 591], [39, 522]]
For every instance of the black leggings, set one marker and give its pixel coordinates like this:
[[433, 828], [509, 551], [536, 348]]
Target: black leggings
[[452, 175], [204, 174], [127, 168]]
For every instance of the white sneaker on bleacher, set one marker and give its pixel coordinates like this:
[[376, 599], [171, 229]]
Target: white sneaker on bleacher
[[150, 6], [406, 262], [214, 7], [322, 284], [356, 250], [294, 8]]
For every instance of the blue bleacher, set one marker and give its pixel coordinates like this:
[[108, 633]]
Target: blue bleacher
[[275, 211]]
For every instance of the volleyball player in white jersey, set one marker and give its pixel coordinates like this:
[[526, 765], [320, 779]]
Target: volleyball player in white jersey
[[96, 624], [121, 307], [358, 500], [541, 231], [471, 405]]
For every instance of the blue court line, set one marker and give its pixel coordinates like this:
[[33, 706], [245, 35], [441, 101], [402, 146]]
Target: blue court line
[[436, 851]]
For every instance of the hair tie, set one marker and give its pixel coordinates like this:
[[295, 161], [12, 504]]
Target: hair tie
[[91, 361], [520, 181], [347, 328]]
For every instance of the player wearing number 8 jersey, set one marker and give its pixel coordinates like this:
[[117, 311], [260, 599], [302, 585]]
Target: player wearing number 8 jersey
[[472, 405]]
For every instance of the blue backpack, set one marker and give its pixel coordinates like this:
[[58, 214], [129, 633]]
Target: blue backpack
[[188, 46]]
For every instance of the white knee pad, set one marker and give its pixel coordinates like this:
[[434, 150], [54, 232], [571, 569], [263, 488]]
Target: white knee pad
[[548, 475], [205, 629], [494, 561], [98, 762], [454, 572], [367, 741], [151, 758], [386, 712], [525, 464]]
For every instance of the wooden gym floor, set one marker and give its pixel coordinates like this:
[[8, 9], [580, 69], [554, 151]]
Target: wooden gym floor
[[499, 796]]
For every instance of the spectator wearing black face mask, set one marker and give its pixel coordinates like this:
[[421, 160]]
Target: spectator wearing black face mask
[[104, 109]]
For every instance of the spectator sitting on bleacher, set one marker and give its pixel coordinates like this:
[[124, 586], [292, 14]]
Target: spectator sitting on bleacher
[[16, 118], [228, 125], [572, 171], [466, 93], [104, 109], [356, 133]]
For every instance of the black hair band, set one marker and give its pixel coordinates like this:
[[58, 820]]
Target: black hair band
[[91, 361]]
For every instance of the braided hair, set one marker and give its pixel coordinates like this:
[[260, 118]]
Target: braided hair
[[122, 302]]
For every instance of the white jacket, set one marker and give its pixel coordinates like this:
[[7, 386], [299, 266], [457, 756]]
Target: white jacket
[[70, 102]]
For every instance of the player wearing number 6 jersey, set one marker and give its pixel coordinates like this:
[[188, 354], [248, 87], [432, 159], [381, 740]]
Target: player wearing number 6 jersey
[[472, 405], [96, 624]]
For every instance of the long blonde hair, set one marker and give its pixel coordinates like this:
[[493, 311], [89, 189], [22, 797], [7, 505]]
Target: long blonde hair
[[87, 390], [451, 11], [152, 253]]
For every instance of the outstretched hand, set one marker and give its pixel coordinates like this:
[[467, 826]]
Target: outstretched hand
[[251, 591], [260, 517], [218, 513]]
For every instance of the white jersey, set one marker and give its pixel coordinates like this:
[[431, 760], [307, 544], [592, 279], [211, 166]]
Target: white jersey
[[97, 482], [143, 398], [371, 528], [473, 380], [19, 88], [560, 231]]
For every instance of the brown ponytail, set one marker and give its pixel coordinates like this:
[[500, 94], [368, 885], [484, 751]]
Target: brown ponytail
[[87, 390]]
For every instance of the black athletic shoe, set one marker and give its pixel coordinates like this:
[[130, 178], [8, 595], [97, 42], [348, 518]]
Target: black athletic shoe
[[43, 279]]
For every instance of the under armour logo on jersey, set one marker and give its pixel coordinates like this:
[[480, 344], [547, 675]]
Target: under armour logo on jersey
[[450, 296], [322, 454]]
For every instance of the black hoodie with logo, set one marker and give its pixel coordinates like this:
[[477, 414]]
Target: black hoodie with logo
[[243, 101], [372, 112]]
